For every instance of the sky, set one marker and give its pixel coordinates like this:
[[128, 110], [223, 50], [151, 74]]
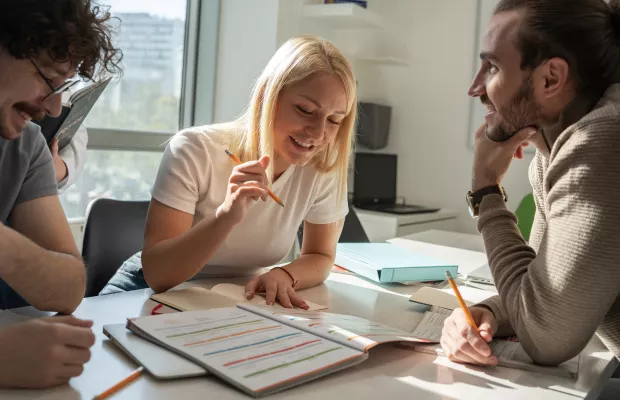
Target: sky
[[164, 8]]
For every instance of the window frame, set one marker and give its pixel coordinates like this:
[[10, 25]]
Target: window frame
[[199, 71]]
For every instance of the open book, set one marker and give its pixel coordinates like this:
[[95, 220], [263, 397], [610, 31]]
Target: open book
[[508, 351], [222, 295], [261, 349], [72, 115]]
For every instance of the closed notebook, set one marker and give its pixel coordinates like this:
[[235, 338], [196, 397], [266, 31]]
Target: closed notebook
[[385, 262], [72, 115], [159, 362], [445, 298]]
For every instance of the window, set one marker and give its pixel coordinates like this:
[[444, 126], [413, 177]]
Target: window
[[151, 34], [123, 175], [162, 90]]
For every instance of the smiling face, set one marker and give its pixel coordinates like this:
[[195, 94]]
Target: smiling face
[[503, 87], [24, 91], [308, 117]]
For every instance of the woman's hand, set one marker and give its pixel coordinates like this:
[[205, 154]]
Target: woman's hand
[[278, 285], [247, 183], [59, 165]]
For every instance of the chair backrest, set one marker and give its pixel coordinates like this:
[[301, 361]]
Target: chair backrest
[[352, 230], [525, 215], [114, 231]]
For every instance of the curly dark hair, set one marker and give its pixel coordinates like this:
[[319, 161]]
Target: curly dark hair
[[74, 31]]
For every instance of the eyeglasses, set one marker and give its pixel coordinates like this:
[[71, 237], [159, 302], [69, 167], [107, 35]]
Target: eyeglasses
[[60, 89]]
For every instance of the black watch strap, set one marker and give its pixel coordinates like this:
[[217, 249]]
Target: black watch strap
[[495, 189], [474, 199]]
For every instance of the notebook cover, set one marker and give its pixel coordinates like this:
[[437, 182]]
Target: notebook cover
[[384, 262], [158, 361]]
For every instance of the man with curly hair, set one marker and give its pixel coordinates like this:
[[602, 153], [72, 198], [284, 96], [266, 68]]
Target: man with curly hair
[[45, 47]]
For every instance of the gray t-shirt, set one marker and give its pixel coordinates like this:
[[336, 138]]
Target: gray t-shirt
[[26, 170]]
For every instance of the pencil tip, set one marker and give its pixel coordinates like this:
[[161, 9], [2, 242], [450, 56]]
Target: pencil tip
[[448, 275], [227, 151]]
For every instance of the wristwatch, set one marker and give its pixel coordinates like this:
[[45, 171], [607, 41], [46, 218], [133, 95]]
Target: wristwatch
[[474, 199]]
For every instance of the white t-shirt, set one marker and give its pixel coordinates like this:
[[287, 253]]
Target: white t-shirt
[[193, 178]]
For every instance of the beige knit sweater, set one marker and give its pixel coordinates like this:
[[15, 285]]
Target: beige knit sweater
[[563, 287]]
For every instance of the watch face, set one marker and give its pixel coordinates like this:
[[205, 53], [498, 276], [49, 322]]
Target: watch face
[[470, 204]]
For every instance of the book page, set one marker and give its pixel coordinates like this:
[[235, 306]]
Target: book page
[[248, 350], [355, 332], [237, 292], [432, 324], [511, 354]]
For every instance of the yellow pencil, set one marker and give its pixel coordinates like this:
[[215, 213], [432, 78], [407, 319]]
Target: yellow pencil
[[130, 378], [470, 319], [271, 194]]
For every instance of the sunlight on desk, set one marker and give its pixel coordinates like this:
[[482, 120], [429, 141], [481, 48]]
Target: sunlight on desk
[[360, 282], [449, 378]]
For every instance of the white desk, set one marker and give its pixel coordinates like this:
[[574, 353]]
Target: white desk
[[388, 373], [381, 226]]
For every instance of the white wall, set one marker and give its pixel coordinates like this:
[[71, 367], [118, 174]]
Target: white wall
[[430, 121], [247, 40]]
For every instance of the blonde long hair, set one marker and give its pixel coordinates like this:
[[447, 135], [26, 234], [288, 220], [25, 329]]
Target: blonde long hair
[[295, 61]]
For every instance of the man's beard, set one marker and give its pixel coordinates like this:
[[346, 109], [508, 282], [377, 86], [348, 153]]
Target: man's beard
[[521, 112], [8, 130]]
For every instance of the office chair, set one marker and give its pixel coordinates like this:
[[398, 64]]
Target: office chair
[[352, 230], [525, 215], [114, 231]]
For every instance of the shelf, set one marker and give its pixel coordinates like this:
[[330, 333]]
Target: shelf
[[381, 60], [342, 16]]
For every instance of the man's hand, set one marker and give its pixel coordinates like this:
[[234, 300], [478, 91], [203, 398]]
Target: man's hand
[[45, 352], [462, 344], [59, 164], [492, 159]]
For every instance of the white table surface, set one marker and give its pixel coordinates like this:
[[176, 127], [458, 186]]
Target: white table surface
[[389, 372]]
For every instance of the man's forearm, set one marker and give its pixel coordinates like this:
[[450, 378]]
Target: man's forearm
[[554, 300], [48, 280]]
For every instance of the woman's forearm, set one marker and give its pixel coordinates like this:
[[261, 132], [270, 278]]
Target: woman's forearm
[[174, 261], [310, 269]]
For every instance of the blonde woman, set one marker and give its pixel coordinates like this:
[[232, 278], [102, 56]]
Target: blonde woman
[[209, 217]]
